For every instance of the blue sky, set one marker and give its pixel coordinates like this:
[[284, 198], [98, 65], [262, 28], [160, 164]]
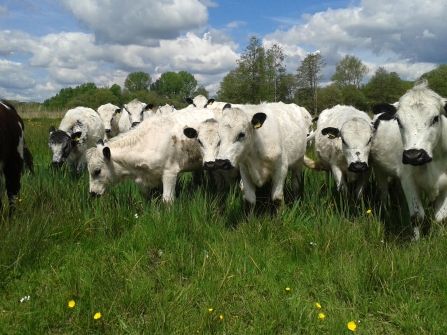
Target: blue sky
[[46, 45]]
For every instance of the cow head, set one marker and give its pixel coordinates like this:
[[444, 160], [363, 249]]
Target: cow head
[[200, 101], [166, 109], [109, 114], [100, 168], [236, 130], [208, 140], [420, 115], [356, 135], [62, 144], [135, 110]]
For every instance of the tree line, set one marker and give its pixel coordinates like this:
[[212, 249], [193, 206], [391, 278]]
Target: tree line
[[259, 76]]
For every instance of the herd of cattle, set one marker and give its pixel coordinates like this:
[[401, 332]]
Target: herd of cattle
[[406, 140]]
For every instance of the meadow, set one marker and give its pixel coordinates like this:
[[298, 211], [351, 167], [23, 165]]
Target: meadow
[[72, 264]]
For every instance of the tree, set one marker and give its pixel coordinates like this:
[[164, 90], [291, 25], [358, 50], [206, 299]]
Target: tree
[[350, 71], [174, 85], [233, 87], [275, 68], [287, 88], [352, 96], [328, 97], [137, 81], [384, 87], [437, 79], [202, 91], [309, 76]]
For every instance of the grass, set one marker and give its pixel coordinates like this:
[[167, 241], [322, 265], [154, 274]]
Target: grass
[[155, 269]]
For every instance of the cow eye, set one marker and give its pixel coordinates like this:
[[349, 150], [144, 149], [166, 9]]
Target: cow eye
[[240, 136], [369, 141], [97, 171], [200, 142], [218, 143], [435, 119], [343, 141]]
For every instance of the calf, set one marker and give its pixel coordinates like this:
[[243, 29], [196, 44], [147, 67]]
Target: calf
[[166, 109], [110, 115], [13, 153], [199, 101], [154, 152], [265, 144], [79, 130], [133, 114], [343, 142], [420, 119]]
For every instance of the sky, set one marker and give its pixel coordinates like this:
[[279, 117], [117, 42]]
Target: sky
[[47, 45]]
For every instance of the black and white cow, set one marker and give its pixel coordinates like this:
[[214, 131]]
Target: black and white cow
[[13, 152], [199, 101], [79, 130], [414, 148]]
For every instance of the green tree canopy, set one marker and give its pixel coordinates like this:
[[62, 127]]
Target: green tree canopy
[[137, 81], [349, 71], [384, 86], [437, 79], [175, 85]]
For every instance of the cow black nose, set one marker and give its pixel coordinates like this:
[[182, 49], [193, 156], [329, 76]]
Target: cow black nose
[[57, 164], [107, 131], [224, 164], [95, 195], [416, 157], [134, 124], [358, 167], [210, 165]]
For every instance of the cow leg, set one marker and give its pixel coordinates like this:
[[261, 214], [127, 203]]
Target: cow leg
[[297, 179], [169, 180], [249, 191], [441, 206], [339, 179], [382, 184], [361, 183], [278, 181], [12, 182], [1, 192], [417, 213]]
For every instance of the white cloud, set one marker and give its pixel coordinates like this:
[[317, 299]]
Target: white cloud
[[142, 22]]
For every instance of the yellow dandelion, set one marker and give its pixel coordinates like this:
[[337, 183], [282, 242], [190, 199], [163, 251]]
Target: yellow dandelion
[[97, 316], [210, 310], [321, 316], [221, 317], [317, 305], [369, 211], [71, 303], [352, 326], [235, 316], [287, 289]]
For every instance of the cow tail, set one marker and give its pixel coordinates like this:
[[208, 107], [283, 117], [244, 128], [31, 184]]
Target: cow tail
[[314, 165], [28, 158]]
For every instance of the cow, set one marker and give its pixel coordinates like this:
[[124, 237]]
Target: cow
[[166, 109], [154, 152], [133, 114], [14, 153], [420, 119], [80, 129], [110, 115], [199, 101], [264, 144], [343, 143]]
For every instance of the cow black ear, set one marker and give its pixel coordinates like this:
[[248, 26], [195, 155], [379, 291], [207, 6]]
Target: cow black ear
[[258, 120], [190, 132], [189, 100], [315, 119], [445, 108], [106, 152], [384, 108], [51, 129], [331, 132], [149, 106], [100, 142], [210, 102], [117, 111], [227, 106]]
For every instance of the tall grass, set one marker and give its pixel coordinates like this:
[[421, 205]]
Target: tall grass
[[155, 269]]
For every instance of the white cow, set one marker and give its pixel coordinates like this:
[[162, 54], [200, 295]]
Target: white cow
[[132, 114], [79, 130], [154, 152], [199, 101], [420, 119], [265, 144], [343, 142], [166, 109], [110, 115]]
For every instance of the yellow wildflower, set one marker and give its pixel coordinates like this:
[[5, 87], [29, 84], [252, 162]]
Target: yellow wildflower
[[287, 289], [352, 326], [317, 305], [321, 316], [221, 317], [210, 310], [97, 316], [71, 303], [369, 211]]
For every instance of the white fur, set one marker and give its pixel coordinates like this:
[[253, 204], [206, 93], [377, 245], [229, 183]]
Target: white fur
[[110, 115], [131, 113]]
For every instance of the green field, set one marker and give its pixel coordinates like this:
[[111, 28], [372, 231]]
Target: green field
[[201, 267]]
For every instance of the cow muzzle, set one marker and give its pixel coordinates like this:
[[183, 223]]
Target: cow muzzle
[[224, 164], [108, 130], [134, 124], [95, 194], [358, 167], [416, 157], [57, 164], [210, 165]]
